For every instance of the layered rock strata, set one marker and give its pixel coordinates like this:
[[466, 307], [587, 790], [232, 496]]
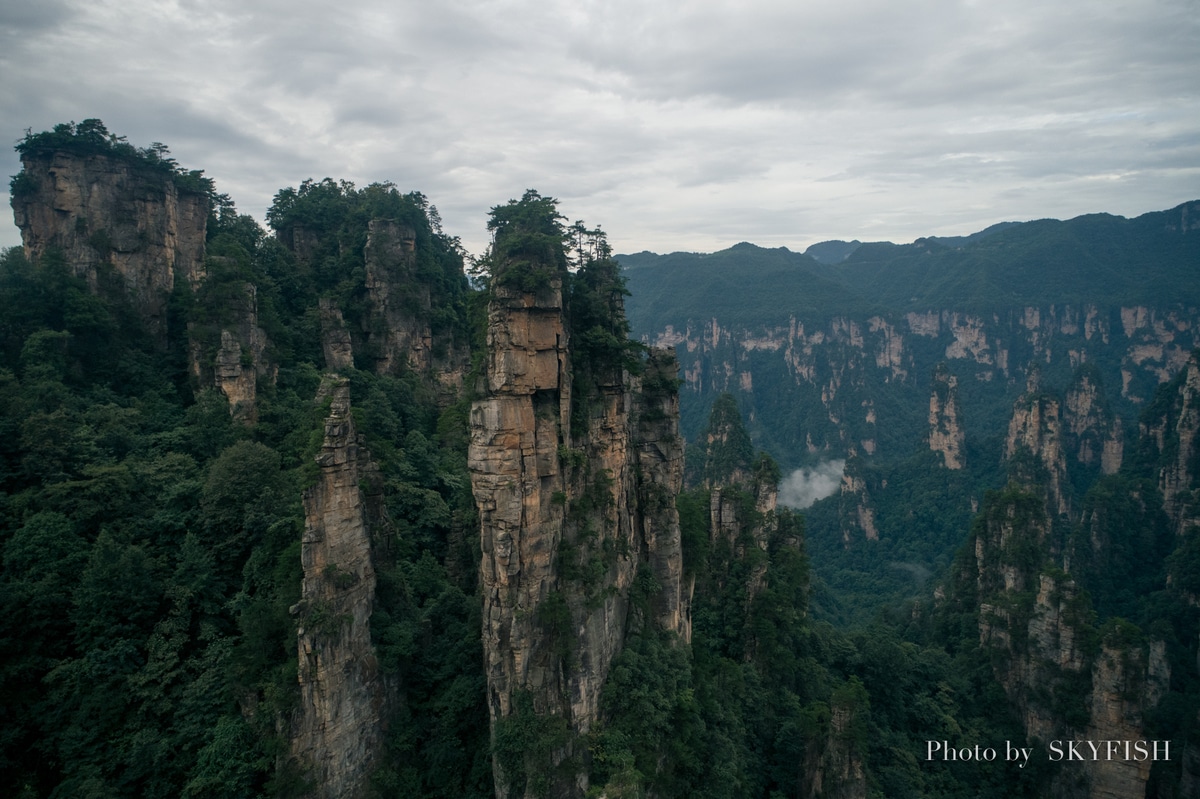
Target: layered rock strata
[[569, 513], [107, 213], [337, 735]]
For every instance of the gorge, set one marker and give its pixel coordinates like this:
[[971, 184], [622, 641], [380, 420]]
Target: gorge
[[313, 513]]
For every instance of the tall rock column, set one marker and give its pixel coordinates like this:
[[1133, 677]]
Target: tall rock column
[[945, 420], [1036, 429], [575, 494], [337, 735]]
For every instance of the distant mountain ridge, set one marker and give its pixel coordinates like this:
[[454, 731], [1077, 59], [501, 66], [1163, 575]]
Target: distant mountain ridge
[[809, 346]]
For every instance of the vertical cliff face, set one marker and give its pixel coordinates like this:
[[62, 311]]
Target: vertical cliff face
[[946, 434], [855, 509], [337, 735], [103, 212], [1035, 433], [834, 768], [1126, 681], [1066, 680], [1170, 427], [1093, 432], [575, 492], [231, 353], [399, 324], [335, 338], [398, 332]]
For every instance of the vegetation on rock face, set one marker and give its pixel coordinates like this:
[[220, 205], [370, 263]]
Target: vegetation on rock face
[[90, 137], [150, 546]]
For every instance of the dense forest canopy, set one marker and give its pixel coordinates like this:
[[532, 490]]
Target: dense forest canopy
[[151, 539]]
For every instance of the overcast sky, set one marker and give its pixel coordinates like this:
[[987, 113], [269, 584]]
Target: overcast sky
[[674, 125]]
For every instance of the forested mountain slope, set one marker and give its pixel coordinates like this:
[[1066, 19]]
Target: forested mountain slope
[[306, 513], [830, 358]]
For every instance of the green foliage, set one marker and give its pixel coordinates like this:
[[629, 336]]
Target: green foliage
[[524, 744], [728, 450], [91, 137]]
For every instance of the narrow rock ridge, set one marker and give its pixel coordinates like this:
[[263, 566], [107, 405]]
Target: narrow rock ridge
[[567, 518], [104, 213], [337, 735], [945, 426]]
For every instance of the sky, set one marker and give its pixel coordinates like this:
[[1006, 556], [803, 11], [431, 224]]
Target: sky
[[673, 125]]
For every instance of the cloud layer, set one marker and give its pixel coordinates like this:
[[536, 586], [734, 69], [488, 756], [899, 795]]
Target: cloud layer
[[674, 125], [804, 486]]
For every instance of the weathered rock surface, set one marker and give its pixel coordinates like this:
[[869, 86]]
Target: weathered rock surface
[[568, 516], [1173, 432], [1093, 432], [946, 434], [1036, 430], [335, 338], [105, 213], [337, 734], [234, 355], [856, 511], [1038, 625], [830, 367], [835, 770], [398, 331]]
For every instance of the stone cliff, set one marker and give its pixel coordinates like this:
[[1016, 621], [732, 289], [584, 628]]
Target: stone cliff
[[811, 383], [337, 734], [1170, 428], [1066, 680], [1034, 444], [231, 352], [575, 491], [1094, 433], [856, 512], [946, 435], [113, 216]]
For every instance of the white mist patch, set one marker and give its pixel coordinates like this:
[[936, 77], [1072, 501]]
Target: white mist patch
[[805, 486]]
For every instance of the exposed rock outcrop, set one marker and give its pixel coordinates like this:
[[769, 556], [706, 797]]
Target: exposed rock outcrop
[[1171, 427], [335, 338], [575, 495], [109, 215], [833, 767], [1035, 432], [1093, 432], [231, 354], [398, 331], [946, 434], [337, 735], [1039, 627], [856, 511]]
